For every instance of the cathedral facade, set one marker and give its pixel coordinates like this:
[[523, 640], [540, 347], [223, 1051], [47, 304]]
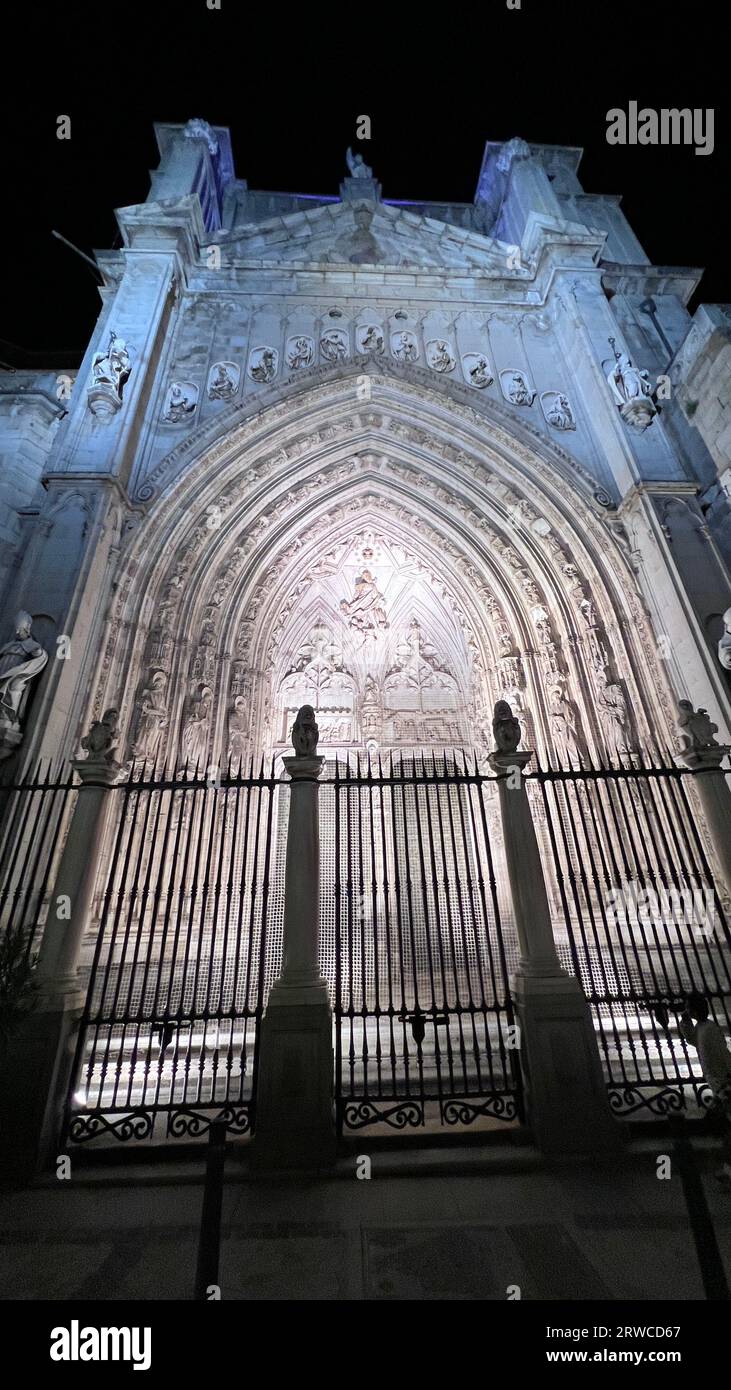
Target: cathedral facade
[[394, 460]]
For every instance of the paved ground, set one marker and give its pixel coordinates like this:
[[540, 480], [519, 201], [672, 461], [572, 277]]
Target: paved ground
[[453, 1224]]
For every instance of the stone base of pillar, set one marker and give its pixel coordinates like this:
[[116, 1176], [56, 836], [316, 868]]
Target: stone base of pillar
[[35, 1073], [566, 1100], [294, 1101]]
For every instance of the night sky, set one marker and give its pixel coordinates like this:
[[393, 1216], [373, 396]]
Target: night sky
[[290, 89]]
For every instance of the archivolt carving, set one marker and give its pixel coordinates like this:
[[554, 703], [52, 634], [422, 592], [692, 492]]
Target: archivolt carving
[[536, 580]]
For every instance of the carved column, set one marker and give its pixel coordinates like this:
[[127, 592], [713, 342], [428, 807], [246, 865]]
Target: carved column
[[565, 1092], [294, 1100], [36, 1071]]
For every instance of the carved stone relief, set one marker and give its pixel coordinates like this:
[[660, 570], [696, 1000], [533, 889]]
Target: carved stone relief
[[223, 381], [263, 363], [180, 402], [300, 352], [557, 409]]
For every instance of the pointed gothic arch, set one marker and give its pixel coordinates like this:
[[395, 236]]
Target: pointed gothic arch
[[504, 531]]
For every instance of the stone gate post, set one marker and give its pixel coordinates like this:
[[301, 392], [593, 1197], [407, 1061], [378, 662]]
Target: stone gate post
[[294, 1099], [36, 1070], [565, 1092], [703, 756]]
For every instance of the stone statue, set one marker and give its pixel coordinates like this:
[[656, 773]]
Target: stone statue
[[724, 645], [152, 717], [695, 728], [627, 383], [112, 368], [563, 727], [238, 728], [197, 129], [614, 719], [20, 661], [366, 611], [506, 728], [305, 733], [632, 390], [357, 166], [194, 738], [102, 738], [512, 149]]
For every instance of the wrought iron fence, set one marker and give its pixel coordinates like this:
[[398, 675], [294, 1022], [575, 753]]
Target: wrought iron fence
[[180, 960], [639, 916], [419, 948], [33, 819], [417, 936]]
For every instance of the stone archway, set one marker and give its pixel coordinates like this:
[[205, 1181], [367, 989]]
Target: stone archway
[[484, 538]]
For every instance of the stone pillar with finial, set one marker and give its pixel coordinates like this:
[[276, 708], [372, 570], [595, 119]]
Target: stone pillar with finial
[[565, 1092], [703, 755], [294, 1126], [36, 1070]]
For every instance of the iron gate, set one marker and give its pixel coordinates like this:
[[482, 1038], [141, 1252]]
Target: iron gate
[[417, 936], [639, 916], [184, 949], [424, 1020]]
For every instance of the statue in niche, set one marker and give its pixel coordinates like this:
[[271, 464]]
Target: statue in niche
[[305, 733], [563, 727], [21, 660], [370, 339], [632, 390], [102, 738], [152, 717], [557, 410], [263, 364], [516, 388], [439, 356], [300, 352], [724, 645], [365, 612], [695, 728], [180, 403], [334, 345], [194, 738], [111, 368], [238, 730], [357, 165], [614, 719], [371, 713], [404, 347], [223, 381], [477, 370], [506, 728]]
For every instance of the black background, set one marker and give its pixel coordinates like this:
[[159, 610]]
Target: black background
[[437, 81]]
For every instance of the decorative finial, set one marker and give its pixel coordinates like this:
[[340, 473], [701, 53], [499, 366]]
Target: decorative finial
[[102, 739], [695, 728], [506, 728], [305, 733], [357, 166]]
